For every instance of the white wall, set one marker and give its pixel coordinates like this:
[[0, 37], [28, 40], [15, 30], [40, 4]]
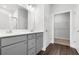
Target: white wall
[[76, 27], [47, 26], [36, 18], [22, 20], [62, 26], [74, 41], [4, 20], [39, 18]]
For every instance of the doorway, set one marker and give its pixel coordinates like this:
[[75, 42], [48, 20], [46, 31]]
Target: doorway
[[62, 28]]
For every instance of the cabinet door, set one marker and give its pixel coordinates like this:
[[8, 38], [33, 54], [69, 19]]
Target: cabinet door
[[11, 40], [16, 49], [31, 43], [31, 51], [39, 43]]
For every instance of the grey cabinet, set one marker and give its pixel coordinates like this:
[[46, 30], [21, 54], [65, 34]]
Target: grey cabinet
[[16, 45], [39, 42], [35, 43], [16, 49], [32, 51], [29, 44]]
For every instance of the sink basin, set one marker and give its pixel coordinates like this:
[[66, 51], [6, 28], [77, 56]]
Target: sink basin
[[9, 31]]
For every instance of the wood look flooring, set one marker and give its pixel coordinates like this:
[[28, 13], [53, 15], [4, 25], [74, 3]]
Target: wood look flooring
[[58, 49], [62, 41]]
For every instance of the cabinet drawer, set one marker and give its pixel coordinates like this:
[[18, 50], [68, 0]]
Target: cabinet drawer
[[11, 40], [31, 43], [16, 49], [31, 36], [39, 34], [31, 51]]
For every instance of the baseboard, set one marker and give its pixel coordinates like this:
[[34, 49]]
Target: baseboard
[[43, 49], [77, 50], [62, 41]]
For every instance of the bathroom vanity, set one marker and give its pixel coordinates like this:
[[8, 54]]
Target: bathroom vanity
[[27, 43], [21, 31]]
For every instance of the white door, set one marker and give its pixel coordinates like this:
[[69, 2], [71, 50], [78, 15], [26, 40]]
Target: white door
[[62, 28]]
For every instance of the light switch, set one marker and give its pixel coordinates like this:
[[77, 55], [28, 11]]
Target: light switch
[[74, 41]]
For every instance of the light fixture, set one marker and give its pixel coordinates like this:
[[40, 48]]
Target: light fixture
[[30, 7]]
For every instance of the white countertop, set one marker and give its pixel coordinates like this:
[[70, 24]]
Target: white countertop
[[16, 32]]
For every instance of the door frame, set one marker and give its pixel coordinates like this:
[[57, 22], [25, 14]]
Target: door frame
[[53, 25]]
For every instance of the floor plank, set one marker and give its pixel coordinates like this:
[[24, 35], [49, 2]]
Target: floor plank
[[58, 49]]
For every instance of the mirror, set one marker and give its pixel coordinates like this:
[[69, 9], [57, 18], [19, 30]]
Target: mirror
[[22, 21], [13, 16]]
